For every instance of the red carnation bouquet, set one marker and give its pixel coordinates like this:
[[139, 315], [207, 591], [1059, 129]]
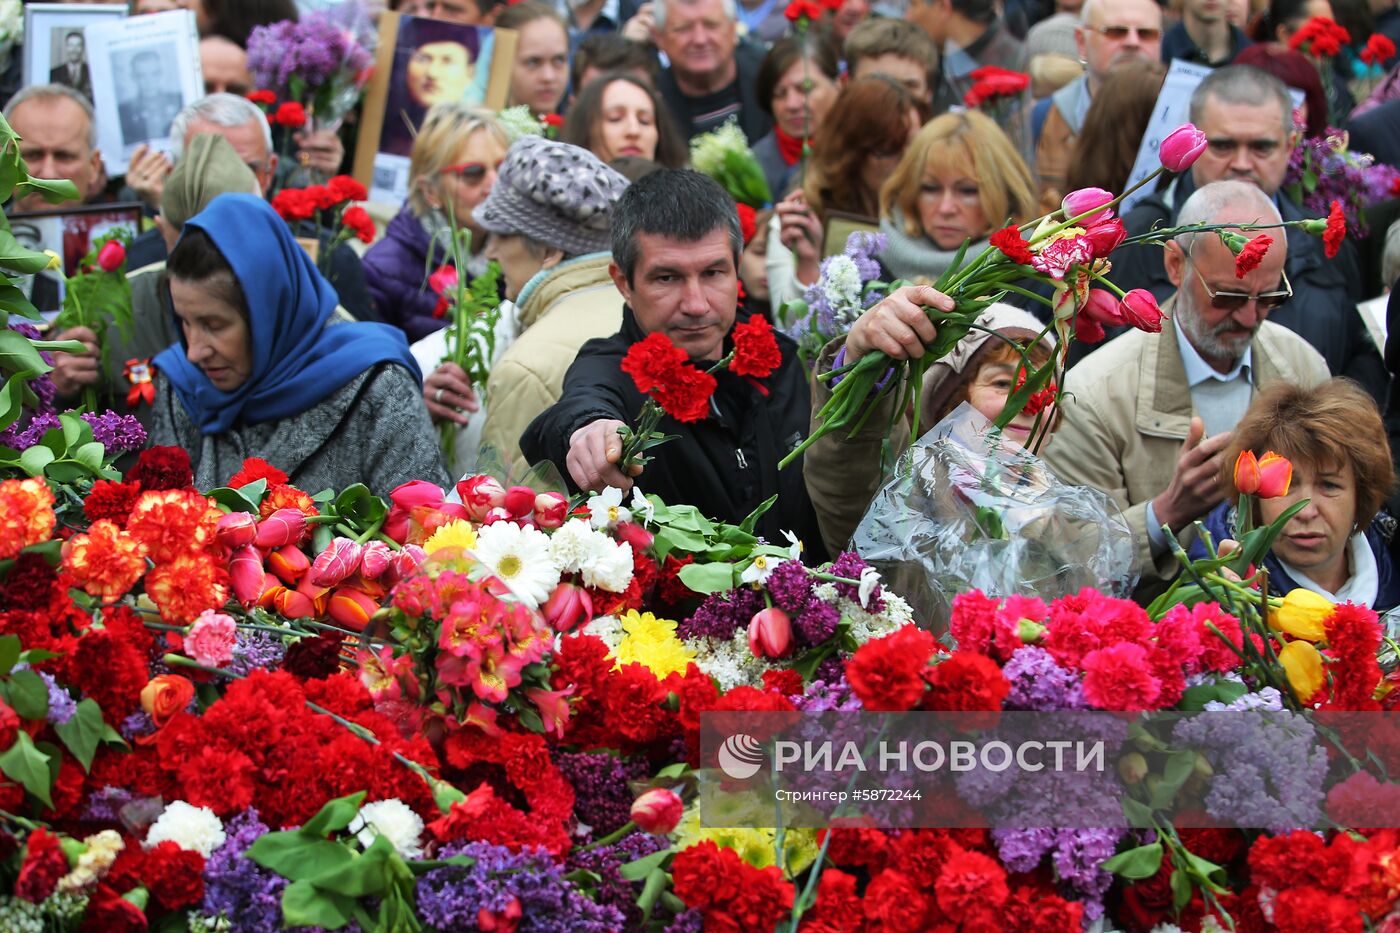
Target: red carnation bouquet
[[991, 83], [674, 386], [329, 205]]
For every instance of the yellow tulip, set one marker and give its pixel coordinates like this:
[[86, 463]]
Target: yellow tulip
[[1303, 665], [1304, 615]]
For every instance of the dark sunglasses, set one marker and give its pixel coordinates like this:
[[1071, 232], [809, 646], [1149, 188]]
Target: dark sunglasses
[[1233, 301], [1119, 33]]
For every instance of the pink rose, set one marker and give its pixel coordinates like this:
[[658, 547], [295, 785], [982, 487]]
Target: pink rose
[[1182, 147], [211, 638], [1084, 200], [480, 494]]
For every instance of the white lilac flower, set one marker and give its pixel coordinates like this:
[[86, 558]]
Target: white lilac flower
[[572, 544], [605, 510], [520, 558], [759, 569], [11, 21], [842, 282], [608, 566], [729, 661], [708, 150], [102, 850], [194, 828], [642, 506], [396, 821], [518, 122], [869, 579]]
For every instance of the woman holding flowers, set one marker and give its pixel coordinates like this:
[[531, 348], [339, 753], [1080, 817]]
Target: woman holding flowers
[[959, 178], [1332, 434], [264, 368]]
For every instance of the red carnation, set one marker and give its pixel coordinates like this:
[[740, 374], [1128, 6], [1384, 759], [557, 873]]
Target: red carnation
[[254, 469], [972, 886], [886, 673], [358, 222], [1320, 37], [322, 197], [110, 500], [346, 188], [9, 726], [30, 586], [893, 902], [290, 114], [724, 887], [262, 97], [292, 204], [661, 369], [1378, 50], [1252, 254], [756, 352], [44, 864], [112, 914], [797, 10], [162, 468], [965, 682], [175, 876], [990, 82], [1336, 230], [1008, 239], [838, 906]]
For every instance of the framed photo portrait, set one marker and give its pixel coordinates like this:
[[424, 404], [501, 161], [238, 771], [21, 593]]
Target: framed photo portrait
[[69, 230], [422, 62], [145, 71], [55, 46]]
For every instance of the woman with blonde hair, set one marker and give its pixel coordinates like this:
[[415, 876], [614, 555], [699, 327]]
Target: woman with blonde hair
[[960, 179], [451, 170]]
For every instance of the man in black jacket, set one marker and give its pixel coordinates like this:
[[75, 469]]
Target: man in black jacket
[[676, 245], [711, 76]]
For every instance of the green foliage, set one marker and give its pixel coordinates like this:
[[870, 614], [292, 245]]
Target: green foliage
[[65, 454]]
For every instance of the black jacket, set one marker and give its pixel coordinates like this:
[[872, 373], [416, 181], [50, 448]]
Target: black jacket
[[753, 118], [1325, 291], [725, 465]]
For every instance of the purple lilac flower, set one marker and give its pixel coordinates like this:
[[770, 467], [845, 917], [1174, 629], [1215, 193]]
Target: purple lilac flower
[[603, 799], [238, 888], [105, 803], [817, 622], [790, 586], [1038, 683], [62, 706], [863, 247], [722, 614], [849, 565], [830, 671], [548, 903], [255, 651], [316, 50], [136, 725], [827, 695], [692, 921], [1021, 850], [117, 433], [29, 429], [612, 890]]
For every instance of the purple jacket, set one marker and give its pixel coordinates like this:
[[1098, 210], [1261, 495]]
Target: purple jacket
[[396, 270]]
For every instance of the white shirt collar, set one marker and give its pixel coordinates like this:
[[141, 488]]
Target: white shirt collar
[[1198, 370], [1361, 587]]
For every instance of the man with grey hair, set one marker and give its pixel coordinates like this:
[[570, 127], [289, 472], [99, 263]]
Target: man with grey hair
[[1147, 417], [1109, 34], [712, 76], [1247, 116], [57, 139]]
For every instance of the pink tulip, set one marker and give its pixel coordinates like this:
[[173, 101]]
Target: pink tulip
[[374, 560], [340, 559], [111, 256], [658, 811], [1182, 147], [1084, 200], [551, 509], [405, 499], [1275, 475], [351, 608], [236, 530], [520, 501], [770, 633], [568, 606], [480, 494], [1140, 310], [289, 563], [281, 528], [1099, 311], [247, 575], [1106, 236]]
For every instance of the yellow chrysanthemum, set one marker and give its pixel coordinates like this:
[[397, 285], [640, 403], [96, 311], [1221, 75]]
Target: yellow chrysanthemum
[[755, 846], [459, 534], [652, 642]]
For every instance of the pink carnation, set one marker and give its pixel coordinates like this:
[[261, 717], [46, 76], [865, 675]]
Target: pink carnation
[[1089, 620], [980, 625], [1117, 678], [211, 639], [1216, 655], [1056, 257]]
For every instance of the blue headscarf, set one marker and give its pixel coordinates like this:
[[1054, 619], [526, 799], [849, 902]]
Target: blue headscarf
[[297, 360]]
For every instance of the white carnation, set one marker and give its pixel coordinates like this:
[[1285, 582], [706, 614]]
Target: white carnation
[[608, 566], [607, 628], [194, 828], [396, 821], [572, 544]]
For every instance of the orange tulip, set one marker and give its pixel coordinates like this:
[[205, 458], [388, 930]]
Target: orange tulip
[[290, 563], [292, 605], [351, 608], [1247, 473], [1275, 475]]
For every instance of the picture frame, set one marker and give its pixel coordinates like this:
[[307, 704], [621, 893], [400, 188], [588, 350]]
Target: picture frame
[[69, 230], [51, 30], [420, 62], [839, 227], [145, 70]]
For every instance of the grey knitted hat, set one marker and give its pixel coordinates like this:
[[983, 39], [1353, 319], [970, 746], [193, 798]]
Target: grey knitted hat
[[557, 194]]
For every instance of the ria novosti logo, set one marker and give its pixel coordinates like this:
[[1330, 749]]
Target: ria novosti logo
[[740, 757]]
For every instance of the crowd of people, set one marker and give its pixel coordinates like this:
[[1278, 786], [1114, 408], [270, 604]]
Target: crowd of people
[[604, 235]]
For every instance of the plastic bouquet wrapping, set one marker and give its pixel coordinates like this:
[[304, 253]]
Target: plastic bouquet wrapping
[[965, 509]]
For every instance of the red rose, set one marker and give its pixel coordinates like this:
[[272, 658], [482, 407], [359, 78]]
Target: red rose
[[886, 673], [1336, 230], [1009, 241], [756, 352], [290, 114], [1252, 254], [346, 188]]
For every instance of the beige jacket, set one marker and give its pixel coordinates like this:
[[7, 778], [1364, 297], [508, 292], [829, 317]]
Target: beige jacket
[[1127, 409], [559, 312]]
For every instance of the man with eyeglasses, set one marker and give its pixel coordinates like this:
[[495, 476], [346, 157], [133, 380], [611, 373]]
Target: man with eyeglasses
[[1204, 35], [1110, 33], [1147, 417], [1247, 116]]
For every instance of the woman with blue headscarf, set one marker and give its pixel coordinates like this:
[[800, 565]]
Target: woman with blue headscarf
[[266, 368]]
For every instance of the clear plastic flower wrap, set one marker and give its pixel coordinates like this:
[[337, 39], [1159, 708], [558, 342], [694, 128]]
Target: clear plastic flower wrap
[[967, 508]]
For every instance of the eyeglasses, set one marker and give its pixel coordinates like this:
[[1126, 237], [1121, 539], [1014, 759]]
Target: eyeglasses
[[1259, 148], [1119, 33], [470, 172], [1233, 301]]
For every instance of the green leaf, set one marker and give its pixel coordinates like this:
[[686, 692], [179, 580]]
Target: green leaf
[[83, 731], [656, 883], [1136, 864], [751, 520], [90, 455], [9, 653], [33, 460], [233, 500], [1205, 870], [636, 871], [1138, 813], [13, 299], [673, 770], [19, 259], [305, 905], [24, 763], [298, 855], [1194, 699], [18, 355], [66, 471], [335, 815], [54, 190], [708, 578], [1178, 769], [29, 695], [12, 396], [1181, 889], [677, 539]]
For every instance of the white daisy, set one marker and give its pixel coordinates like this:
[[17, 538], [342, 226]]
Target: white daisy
[[605, 510], [194, 828], [520, 558], [393, 819], [608, 566]]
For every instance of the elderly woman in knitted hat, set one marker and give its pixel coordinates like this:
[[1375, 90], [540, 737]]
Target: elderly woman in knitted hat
[[547, 220], [843, 474]]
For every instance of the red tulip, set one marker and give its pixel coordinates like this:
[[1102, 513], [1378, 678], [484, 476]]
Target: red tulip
[[551, 509], [1140, 310], [1247, 473], [480, 494], [443, 279], [770, 633], [1182, 147], [635, 535], [236, 530], [351, 608], [247, 575], [111, 256], [568, 606], [520, 501], [340, 559], [1106, 236], [281, 528], [405, 499], [289, 563], [658, 811], [319, 595], [1275, 475]]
